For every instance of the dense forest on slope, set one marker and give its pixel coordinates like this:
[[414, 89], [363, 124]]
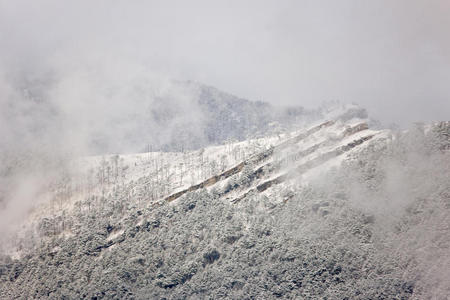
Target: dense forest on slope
[[374, 228]]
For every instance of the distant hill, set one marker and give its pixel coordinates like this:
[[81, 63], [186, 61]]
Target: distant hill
[[203, 116]]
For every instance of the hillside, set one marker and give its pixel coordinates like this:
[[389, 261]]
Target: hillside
[[332, 210]]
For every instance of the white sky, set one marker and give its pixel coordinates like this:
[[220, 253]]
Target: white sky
[[390, 56]]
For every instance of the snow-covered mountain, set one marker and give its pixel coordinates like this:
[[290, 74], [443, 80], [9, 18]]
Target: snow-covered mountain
[[321, 206]]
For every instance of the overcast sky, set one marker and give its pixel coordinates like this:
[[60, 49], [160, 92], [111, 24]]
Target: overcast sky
[[392, 57]]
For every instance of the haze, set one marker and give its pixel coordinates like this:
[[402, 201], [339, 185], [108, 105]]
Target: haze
[[392, 57]]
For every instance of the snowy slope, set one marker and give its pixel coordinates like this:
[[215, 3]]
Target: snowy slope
[[153, 176], [334, 209]]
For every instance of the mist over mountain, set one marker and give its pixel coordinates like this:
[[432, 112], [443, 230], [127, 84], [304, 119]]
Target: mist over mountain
[[51, 120], [225, 149], [207, 117], [46, 123], [174, 189], [170, 117]]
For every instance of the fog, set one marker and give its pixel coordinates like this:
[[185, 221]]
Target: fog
[[390, 57], [73, 70]]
